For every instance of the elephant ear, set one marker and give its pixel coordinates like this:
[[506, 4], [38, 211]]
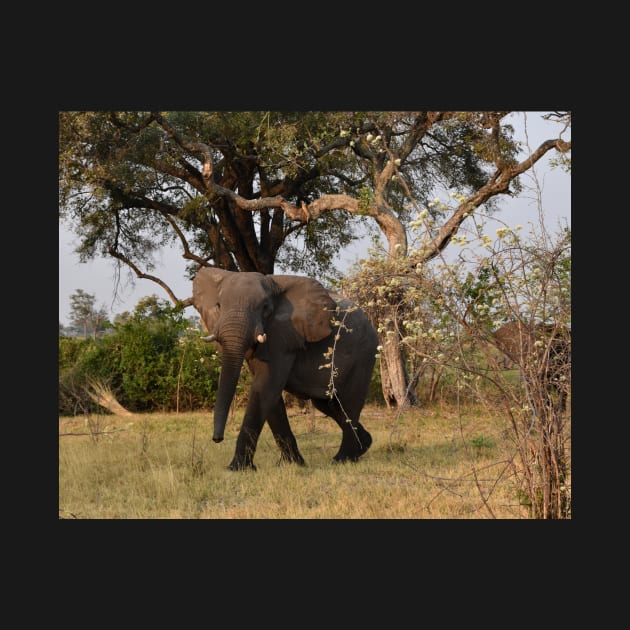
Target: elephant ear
[[307, 304], [206, 286]]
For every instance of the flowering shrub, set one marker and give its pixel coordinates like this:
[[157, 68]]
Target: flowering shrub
[[443, 315]]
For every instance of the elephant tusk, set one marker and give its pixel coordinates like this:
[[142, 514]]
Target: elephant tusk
[[209, 338], [262, 338]]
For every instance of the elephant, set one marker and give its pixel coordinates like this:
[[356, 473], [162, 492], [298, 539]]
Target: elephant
[[284, 327], [518, 340]]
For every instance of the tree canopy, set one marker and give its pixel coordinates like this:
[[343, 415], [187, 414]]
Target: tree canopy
[[247, 190], [85, 315]]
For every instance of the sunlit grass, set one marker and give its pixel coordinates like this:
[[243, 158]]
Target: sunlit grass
[[439, 463]]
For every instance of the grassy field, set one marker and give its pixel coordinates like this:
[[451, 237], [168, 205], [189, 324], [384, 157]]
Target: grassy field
[[435, 463]]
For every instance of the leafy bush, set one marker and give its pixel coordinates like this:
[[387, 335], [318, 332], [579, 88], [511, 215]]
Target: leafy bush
[[73, 397], [152, 361]]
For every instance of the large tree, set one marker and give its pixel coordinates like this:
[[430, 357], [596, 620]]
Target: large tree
[[246, 190]]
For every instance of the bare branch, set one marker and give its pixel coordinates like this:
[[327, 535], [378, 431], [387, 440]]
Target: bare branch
[[498, 184], [146, 276], [301, 214], [187, 253], [387, 221], [107, 432]]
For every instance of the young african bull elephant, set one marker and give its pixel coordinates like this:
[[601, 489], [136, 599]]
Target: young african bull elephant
[[284, 327], [545, 349]]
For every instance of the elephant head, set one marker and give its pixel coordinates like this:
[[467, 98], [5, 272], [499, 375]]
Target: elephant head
[[241, 309], [524, 342], [517, 339]]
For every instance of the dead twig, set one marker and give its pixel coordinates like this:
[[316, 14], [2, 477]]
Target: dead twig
[[92, 432]]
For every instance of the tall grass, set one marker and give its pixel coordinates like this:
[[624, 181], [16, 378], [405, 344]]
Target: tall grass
[[439, 463]]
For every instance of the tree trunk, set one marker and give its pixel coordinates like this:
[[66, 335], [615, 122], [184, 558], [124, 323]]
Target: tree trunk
[[394, 376]]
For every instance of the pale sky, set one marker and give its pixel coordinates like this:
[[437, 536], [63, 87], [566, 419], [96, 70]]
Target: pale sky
[[98, 277]]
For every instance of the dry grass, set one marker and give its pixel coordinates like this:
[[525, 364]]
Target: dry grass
[[439, 463], [102, 394]]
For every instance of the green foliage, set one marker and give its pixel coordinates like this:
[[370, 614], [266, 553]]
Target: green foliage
[[73, 397], [147, 362], [311, 256], [563, 162], [365, 197], [482, 442], [127, 178], [69, 351], [151, 361]]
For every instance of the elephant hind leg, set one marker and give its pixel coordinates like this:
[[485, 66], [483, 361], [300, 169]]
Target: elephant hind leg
[[279, 425], [355, 439], [354, 443]]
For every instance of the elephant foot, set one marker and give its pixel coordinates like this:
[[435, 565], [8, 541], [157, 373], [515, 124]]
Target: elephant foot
[[342, 459], [366, 442], [352, 455], [291, 459], [241, 465]]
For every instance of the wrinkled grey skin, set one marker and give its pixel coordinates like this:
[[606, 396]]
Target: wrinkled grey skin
[[517, 340], [281, 325]]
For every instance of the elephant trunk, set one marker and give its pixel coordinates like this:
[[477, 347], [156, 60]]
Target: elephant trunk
[[231, 364], [235, 341]]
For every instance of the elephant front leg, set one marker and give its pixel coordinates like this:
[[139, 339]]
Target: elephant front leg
[[248, 436], [279, 424], [245, 449]]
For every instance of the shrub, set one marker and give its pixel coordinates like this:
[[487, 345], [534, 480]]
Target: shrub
[[148, 363]]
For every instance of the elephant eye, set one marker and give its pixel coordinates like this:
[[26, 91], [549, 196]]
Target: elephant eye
[[266, 309]]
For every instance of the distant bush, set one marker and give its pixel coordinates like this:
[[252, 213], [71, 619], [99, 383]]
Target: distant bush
[[150, 363]]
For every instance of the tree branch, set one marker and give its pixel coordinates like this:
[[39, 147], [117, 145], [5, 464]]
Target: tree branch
[[207, 173], [113, 116], [387, 221], [389, 224], [146, 276], [498, 184], [187, 253]]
